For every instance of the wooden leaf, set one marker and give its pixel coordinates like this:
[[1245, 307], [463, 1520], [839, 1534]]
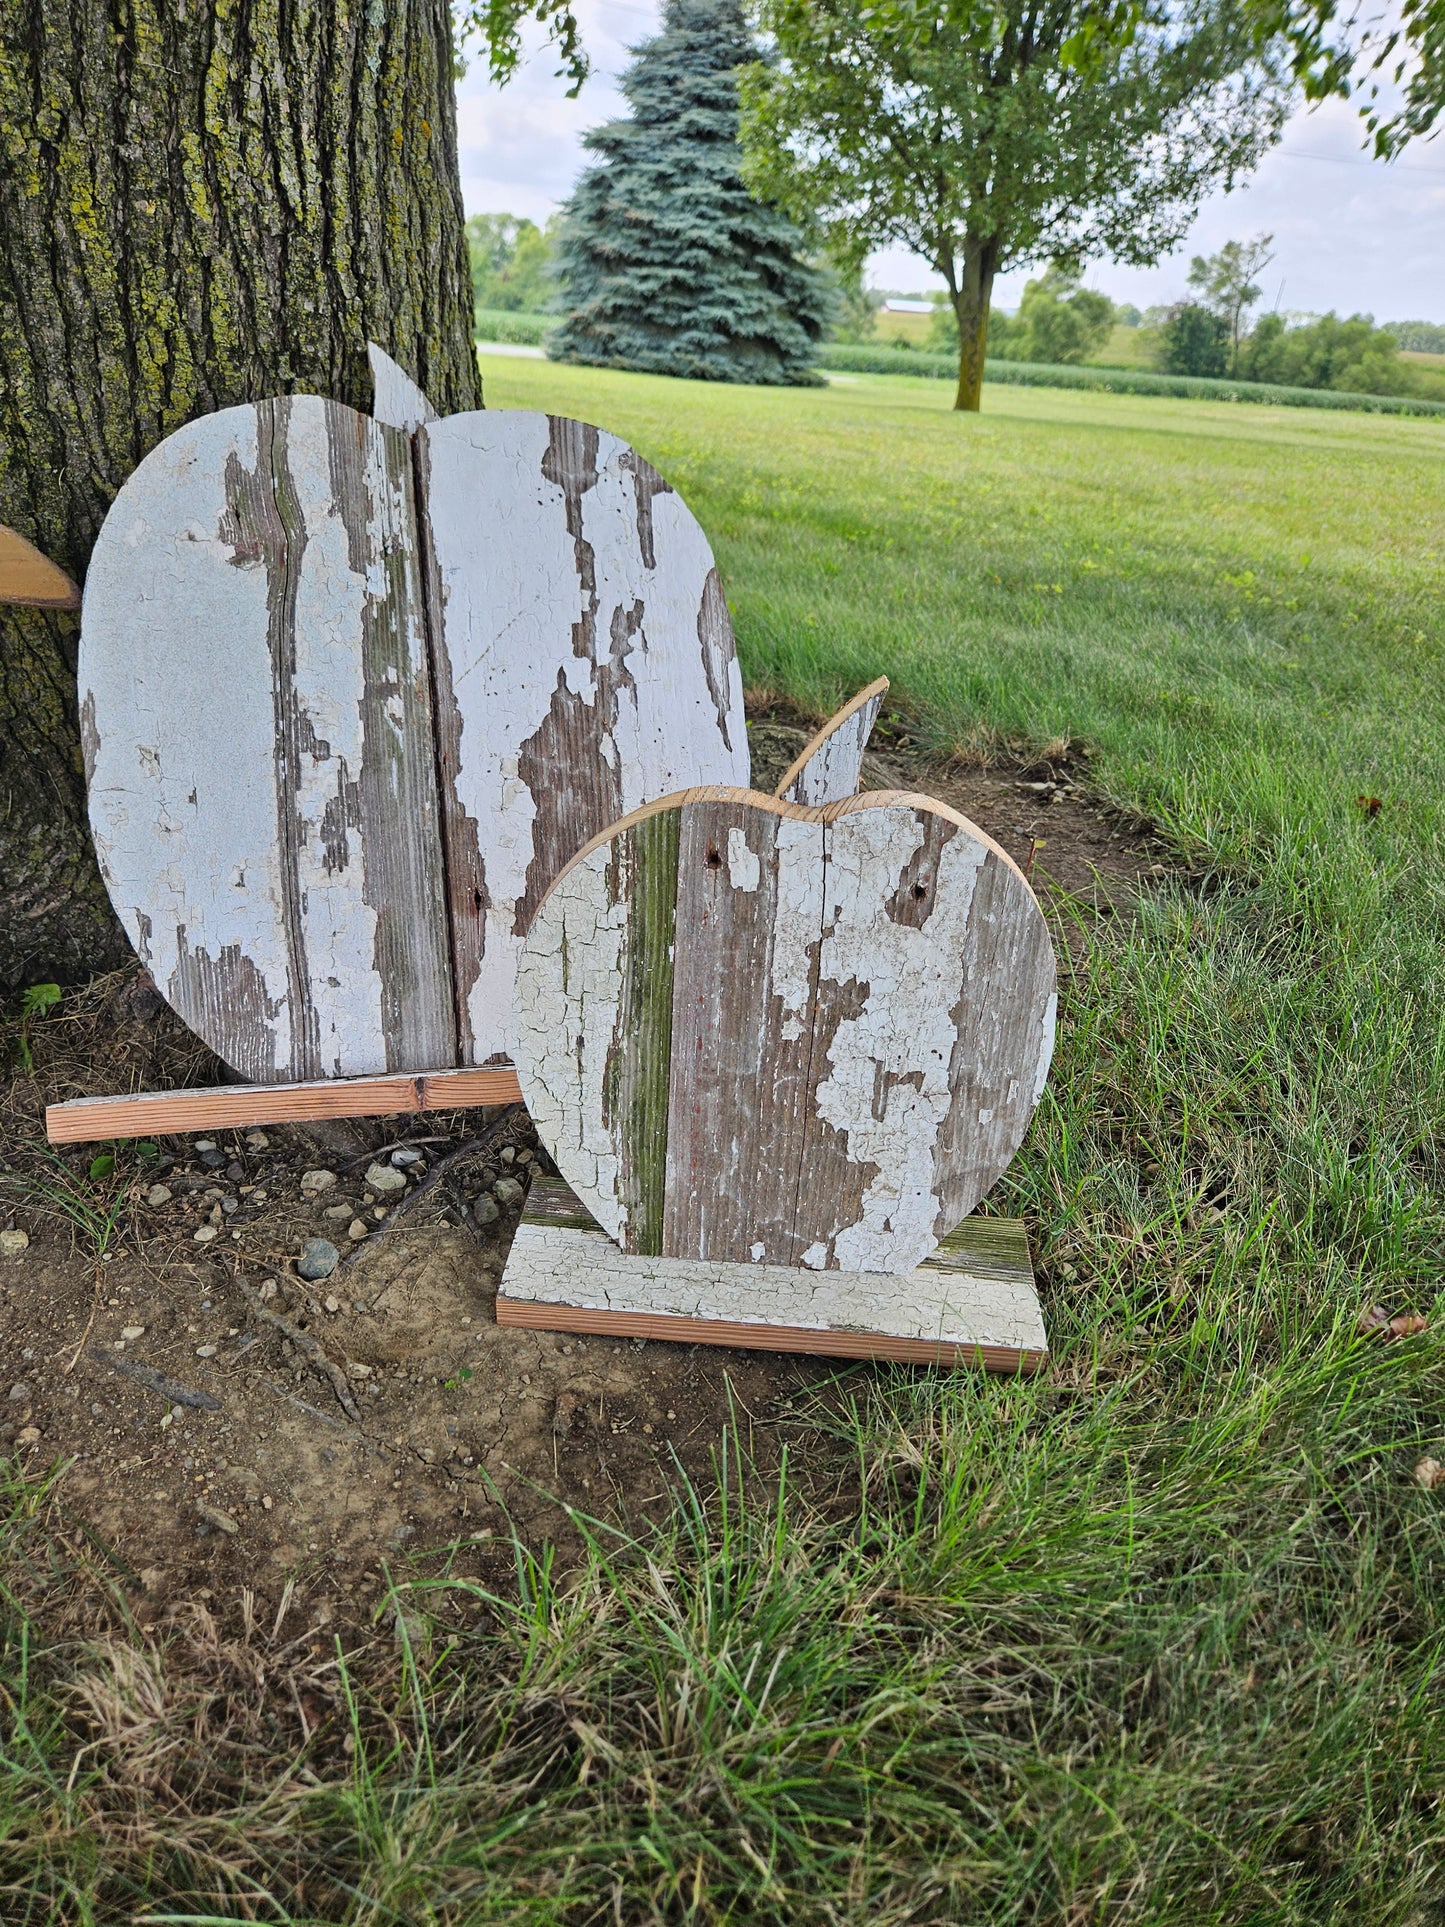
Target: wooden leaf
[[395, 397], [861, 1016], [30, 578], [827, 769]]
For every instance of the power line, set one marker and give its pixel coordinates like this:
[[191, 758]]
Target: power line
[[1342, 160]]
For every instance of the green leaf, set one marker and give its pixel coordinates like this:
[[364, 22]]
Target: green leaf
[[38, 998], [102, 1166]]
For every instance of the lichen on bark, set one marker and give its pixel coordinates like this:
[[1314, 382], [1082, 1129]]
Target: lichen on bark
[[202, 202]]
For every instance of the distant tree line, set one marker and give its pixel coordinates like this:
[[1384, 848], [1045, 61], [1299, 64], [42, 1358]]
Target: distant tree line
[[1059, 321], [514, 264], [1418, 337]]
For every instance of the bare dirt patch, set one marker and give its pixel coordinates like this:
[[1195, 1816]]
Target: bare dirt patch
[[227, 1424]]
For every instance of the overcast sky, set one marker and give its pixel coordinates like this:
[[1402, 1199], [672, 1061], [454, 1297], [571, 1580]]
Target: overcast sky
[[1349, 233]]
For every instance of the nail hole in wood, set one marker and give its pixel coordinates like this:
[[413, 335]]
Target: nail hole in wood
[[714, 858]]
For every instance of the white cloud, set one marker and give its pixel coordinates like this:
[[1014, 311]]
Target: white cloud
[[1350, 233]]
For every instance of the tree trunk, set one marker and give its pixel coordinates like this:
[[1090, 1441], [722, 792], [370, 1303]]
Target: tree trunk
[[199, 205], [970, 306]]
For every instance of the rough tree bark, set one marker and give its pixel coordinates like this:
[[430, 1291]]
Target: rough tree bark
[[199, 205]]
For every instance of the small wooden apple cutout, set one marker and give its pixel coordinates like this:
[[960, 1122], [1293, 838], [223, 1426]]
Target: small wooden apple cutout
[[748, 1030], [352, 694]]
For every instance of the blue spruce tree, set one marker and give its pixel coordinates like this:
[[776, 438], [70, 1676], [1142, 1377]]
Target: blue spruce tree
[[668, 264]]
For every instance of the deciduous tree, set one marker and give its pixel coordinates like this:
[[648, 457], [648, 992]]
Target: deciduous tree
[[985, 134], [1225, 282], [1390, 61]]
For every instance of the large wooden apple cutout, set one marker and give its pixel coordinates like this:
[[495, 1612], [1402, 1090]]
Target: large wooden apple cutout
[[756, 1032], [352, 696]]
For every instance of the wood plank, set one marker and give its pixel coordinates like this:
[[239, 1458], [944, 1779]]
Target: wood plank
[[85, 1120], [561, 1278], [395, 397], [749, 919], [829, 767], [28, 577], [584, 665], [550, 1201], [862, 1019], [256, 715], [934, 1026]]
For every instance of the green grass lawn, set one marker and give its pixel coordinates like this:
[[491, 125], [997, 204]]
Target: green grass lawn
[[1157, 1637]]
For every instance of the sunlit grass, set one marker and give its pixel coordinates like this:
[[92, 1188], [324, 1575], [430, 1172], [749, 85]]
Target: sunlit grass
[[1156, 1638]]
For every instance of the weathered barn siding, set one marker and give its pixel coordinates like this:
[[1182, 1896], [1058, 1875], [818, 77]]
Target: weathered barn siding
[[861, 1010]]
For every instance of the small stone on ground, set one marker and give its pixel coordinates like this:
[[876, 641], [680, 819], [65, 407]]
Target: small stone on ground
[[319, 1258]]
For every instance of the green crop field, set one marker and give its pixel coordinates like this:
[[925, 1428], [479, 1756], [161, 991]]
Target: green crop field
[[1158, 1637]]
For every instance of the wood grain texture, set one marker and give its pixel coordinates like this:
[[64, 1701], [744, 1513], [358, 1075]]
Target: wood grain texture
[[30, 578], [395, 397], [256, 711], [976, 1305], [862, 1015], [585, 666], [85, 1120], [828, 768]]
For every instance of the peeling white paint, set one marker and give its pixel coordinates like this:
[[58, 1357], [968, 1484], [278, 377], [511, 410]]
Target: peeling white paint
[[568, 996], [513, 600], [745, 867], [905, 1029], [557, 1265], [919, 962]]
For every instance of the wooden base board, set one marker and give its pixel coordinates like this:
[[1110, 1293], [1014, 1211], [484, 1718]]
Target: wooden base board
[[532, 1316], [972, 1303], [223, 1107]]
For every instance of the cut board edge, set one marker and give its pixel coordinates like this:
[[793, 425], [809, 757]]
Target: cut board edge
[[536, 1315], [85, 1120], [29, 578]]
